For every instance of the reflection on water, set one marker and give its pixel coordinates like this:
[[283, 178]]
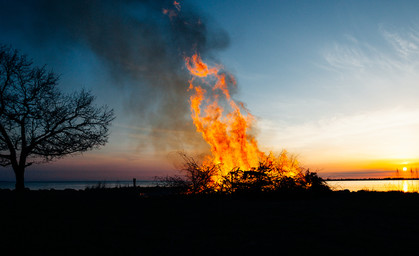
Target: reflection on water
[[376, 185]]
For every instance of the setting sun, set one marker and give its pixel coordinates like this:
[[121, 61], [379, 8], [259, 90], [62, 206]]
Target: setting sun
[[404, 169]]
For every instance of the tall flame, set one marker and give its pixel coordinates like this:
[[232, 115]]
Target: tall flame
[[225, 125], [226, 130]]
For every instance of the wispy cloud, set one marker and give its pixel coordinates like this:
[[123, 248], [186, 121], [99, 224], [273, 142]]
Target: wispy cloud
[[340, 56], [387, 133], [393, 51], [405, 44]]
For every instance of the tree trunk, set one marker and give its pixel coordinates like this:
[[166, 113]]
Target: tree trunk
[[20, 179]]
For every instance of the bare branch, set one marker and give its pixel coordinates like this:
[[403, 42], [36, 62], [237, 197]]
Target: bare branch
[[37, 121]]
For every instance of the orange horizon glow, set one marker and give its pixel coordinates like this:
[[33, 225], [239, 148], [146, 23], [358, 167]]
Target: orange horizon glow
[[372, 168]]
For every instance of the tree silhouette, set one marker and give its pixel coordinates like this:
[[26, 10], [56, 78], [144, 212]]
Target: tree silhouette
[[38, 123]]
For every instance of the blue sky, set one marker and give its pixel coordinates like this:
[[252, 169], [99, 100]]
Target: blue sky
[[334, 82]]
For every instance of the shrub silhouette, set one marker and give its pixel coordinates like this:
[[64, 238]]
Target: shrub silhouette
[[272, 175]]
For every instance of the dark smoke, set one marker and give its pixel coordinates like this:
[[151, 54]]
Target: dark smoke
[[142, 48]]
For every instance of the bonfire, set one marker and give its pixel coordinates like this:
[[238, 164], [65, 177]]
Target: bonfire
[[235, 161]]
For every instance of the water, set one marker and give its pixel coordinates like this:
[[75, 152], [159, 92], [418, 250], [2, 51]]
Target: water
[[352, 185], [376, 185], [77, 185]]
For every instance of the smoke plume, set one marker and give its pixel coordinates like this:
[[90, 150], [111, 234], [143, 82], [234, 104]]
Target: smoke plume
[[142, 42]]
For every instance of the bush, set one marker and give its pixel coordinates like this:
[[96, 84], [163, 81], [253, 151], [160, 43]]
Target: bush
[[272, 175]]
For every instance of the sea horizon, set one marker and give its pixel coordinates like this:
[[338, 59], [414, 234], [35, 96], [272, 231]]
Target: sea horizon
[[78, 184], [353, 185]]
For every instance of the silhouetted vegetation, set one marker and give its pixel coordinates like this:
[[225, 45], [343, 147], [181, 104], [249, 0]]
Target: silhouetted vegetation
[[269, 177]]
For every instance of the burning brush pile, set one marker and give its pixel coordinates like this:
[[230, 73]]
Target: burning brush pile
[[236, 164]]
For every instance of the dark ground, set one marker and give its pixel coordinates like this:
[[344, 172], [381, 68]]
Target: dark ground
[[121, 222]]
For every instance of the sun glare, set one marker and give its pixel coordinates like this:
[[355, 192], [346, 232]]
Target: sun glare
[[404, 169], [405, 186]]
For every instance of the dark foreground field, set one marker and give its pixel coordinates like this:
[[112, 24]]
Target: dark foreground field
[[121, 222]]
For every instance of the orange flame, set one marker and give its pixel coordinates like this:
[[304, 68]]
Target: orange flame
[[223, 125], [226, 130]]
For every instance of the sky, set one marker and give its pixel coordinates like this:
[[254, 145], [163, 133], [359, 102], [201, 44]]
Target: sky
[[333, 82]]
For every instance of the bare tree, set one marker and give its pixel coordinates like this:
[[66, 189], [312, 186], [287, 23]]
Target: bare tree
[[38, 123]]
